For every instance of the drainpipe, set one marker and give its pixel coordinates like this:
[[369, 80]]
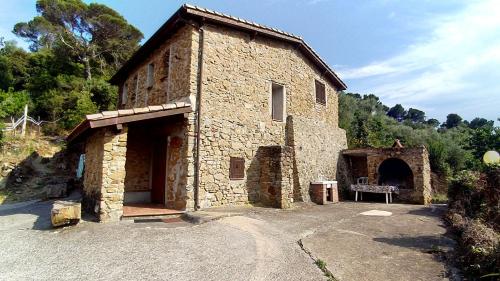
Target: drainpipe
[[198, 117]]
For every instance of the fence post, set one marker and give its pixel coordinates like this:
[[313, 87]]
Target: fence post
[[13, 123], [25, 117]]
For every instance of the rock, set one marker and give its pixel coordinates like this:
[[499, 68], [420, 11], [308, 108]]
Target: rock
[[56, 190], [65, 213]]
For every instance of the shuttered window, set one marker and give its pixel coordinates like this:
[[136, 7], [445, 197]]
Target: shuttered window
[[320, 92], [237, 168]]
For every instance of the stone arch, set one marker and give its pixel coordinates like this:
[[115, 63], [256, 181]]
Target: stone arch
[[395, 171]]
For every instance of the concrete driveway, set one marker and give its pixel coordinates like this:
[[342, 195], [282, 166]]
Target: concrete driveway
[[251, 244]]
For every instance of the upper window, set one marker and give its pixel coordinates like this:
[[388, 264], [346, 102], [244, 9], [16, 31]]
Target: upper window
[[320, 92], [151, 75], [133, 98], [166, 64], [124, 93], [278, 102]]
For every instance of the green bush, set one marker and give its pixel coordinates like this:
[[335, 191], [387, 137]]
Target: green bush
[[480, 249], [12, 103]]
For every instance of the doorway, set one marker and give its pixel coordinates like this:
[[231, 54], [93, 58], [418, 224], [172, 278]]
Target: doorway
[[159, 170]]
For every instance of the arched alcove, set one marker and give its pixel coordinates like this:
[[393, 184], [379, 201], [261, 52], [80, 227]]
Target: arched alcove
[[394, 171]]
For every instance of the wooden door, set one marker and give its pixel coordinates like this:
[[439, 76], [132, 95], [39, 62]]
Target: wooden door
[[159, 171]]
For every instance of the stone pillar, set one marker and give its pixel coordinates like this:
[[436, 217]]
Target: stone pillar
[[426, 192], [286, 190], [190, 143], [113, 174]]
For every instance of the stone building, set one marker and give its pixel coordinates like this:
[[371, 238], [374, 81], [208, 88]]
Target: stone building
[[407, 168], [213, 110]]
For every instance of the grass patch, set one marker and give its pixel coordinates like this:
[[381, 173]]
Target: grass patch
[[440, 198], [321, 264]]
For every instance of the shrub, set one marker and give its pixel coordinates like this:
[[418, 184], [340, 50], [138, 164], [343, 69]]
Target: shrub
[[480, 251]]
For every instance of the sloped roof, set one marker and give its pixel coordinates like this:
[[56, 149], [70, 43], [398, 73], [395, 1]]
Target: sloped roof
[[122, 116], [201, 15]]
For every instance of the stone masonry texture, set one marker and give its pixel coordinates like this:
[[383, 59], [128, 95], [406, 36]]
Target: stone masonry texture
[[236, 117], [417, 159], [105, 173], [238, 72]]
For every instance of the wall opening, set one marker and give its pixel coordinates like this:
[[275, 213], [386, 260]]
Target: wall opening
[[320, 92], [278, 102], [394, 171]]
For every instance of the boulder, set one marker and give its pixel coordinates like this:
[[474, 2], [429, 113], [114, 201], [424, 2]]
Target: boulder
[[56, 190], [65, 213]]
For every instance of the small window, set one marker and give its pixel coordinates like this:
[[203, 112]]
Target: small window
[[166, 64], [124, 93], [133, 98], [277, 102], [151, 75], [320, 92], [237, 168]]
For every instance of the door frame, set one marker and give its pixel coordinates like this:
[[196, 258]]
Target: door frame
[[151, 170]]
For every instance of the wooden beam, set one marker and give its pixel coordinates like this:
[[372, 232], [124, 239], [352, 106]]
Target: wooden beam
[[82, 127], [138, 117]]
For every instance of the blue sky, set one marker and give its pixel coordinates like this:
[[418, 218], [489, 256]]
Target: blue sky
[[438, 56]]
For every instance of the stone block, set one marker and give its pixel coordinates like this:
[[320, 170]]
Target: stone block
[[65, 213]]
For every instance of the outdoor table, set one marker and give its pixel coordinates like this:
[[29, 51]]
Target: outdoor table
[[387, 189]]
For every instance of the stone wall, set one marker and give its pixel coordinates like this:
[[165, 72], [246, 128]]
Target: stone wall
[[138, 165], [105, 173], [317, 147], [113, 173], [179, 193], [418, 161], [236, 115], [170, 83], [92, 178], [276, 176]]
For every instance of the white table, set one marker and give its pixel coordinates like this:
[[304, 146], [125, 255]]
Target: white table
[[387, 189]]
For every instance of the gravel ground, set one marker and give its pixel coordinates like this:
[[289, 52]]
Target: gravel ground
[[256, 244]]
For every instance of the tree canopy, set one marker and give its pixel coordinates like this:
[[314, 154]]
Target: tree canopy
[[397, 112], [75, 47], [452, 120], [92, 34]]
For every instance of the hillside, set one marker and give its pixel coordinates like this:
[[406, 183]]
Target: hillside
[[28, 166]]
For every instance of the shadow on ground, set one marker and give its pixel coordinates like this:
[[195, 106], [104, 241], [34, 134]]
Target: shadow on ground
[[424, 243], [39, 210]]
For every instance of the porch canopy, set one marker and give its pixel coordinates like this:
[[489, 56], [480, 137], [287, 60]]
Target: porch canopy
[[123, 116]]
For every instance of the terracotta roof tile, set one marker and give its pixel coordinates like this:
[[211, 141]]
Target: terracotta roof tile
[[155, 107], [122, 112], [93, 116]]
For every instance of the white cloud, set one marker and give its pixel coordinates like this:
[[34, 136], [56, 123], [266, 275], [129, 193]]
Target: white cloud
[[457, 61]]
